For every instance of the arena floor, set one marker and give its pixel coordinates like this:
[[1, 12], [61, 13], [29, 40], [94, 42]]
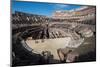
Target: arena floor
[[53, 44], [49, 45]]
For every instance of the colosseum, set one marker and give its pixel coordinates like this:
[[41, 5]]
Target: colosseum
[[65, 37]]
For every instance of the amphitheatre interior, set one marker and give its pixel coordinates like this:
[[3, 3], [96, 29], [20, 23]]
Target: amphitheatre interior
[[36, 39]]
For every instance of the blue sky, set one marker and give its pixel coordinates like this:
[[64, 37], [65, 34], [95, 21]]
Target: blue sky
[[40, 8]]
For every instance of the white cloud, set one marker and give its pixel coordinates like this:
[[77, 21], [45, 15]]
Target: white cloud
[[78, 9], [61, 5]]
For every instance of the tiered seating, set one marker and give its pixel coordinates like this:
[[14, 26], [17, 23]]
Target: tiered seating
[[24, 18]]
